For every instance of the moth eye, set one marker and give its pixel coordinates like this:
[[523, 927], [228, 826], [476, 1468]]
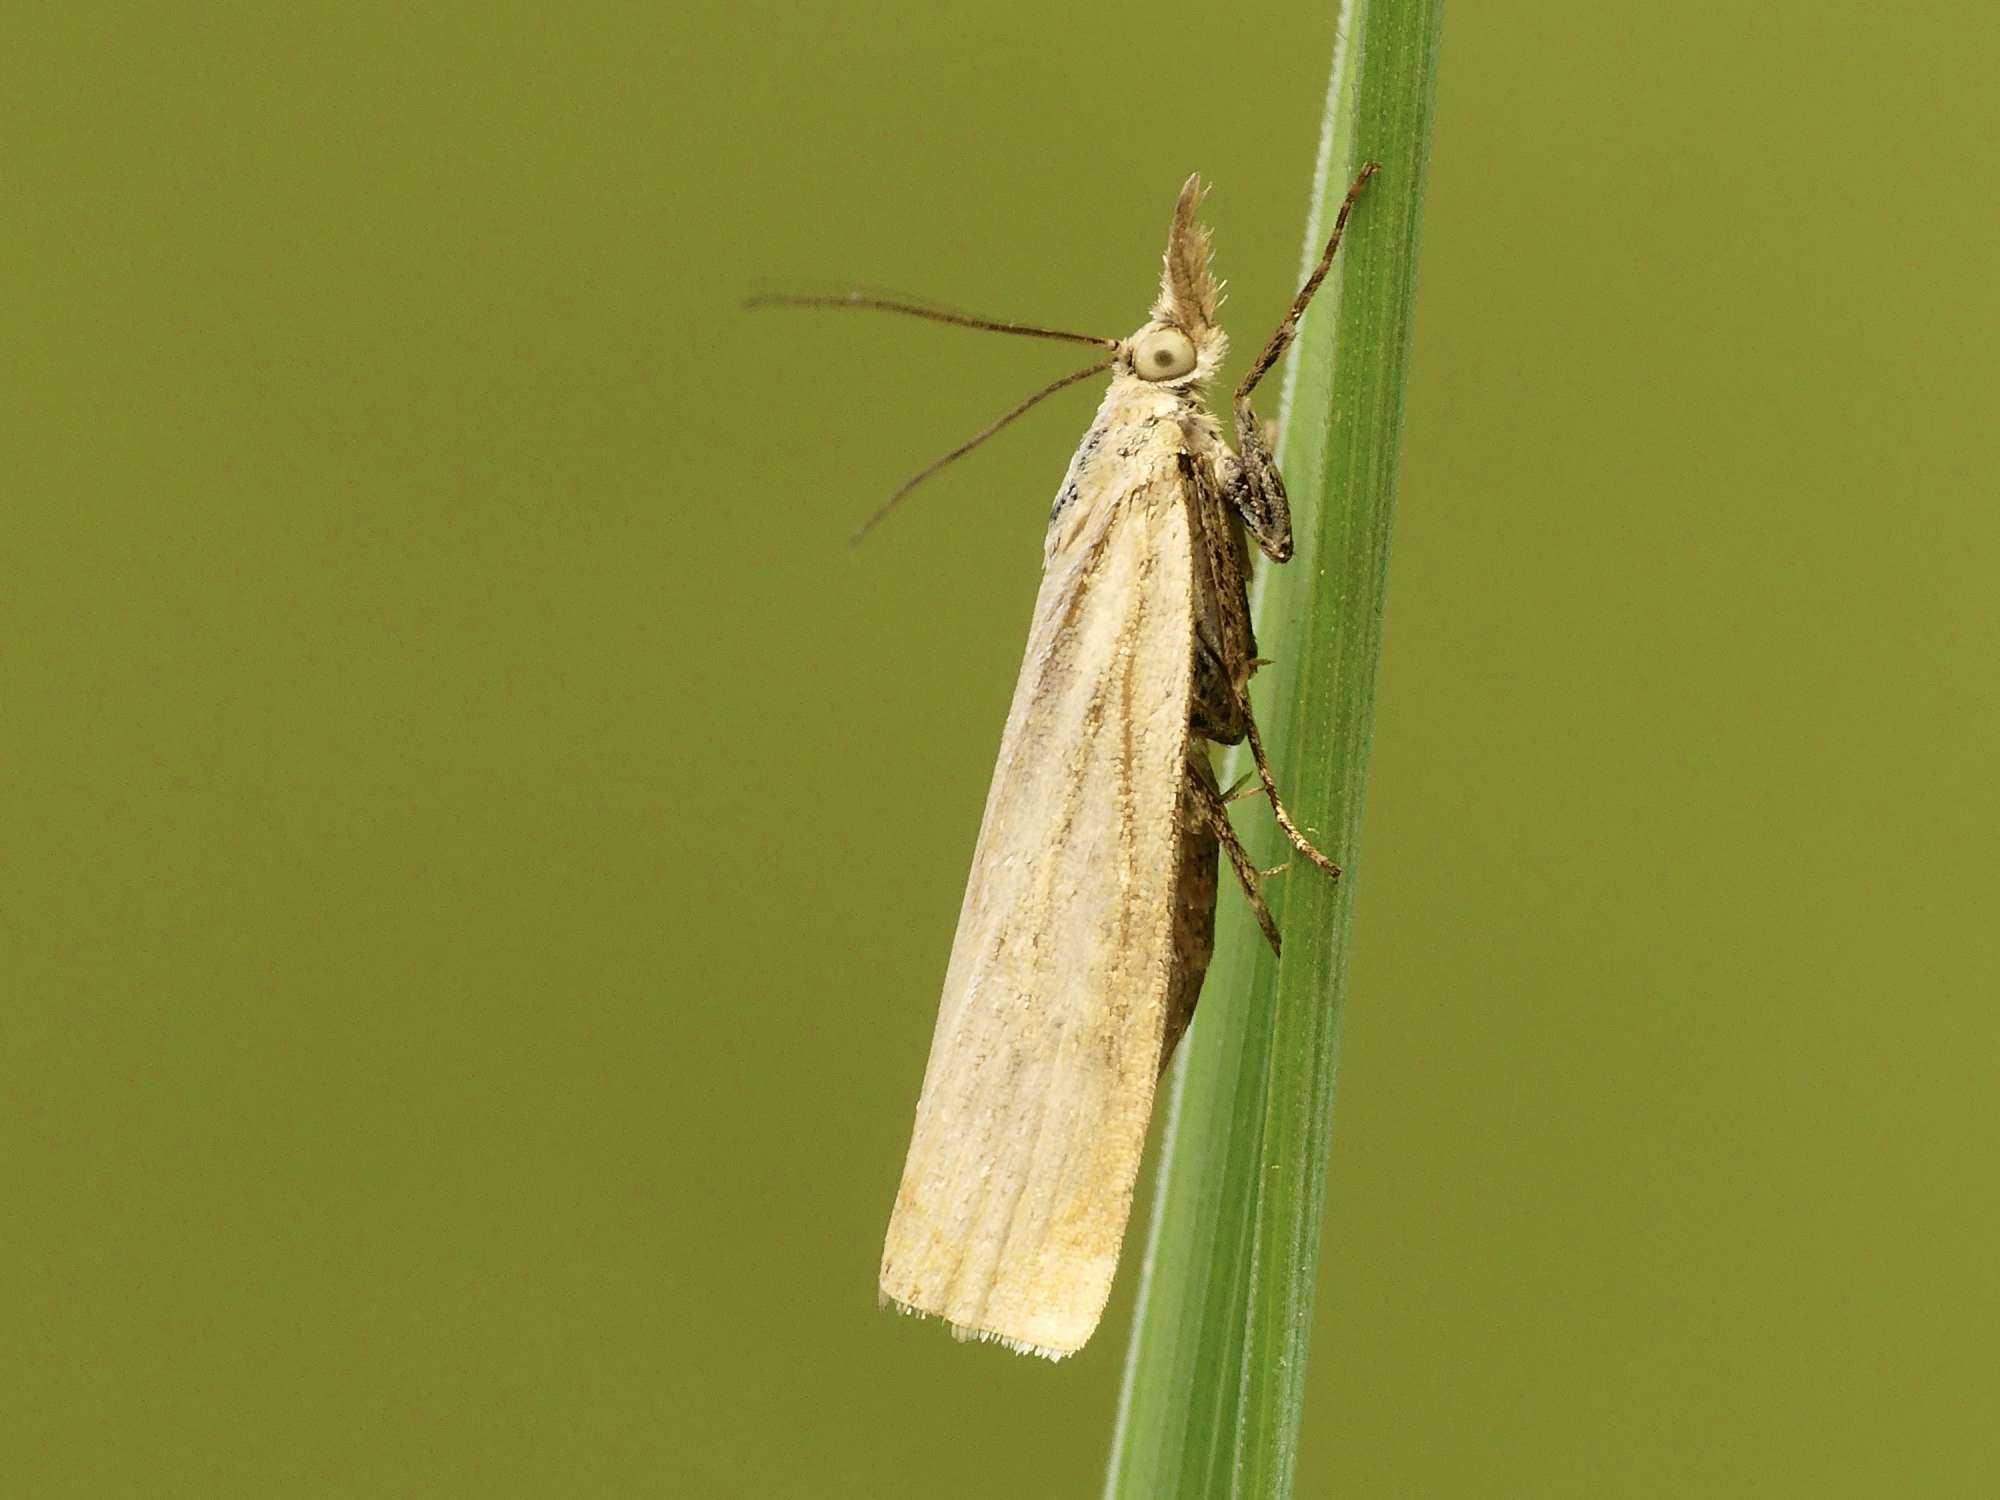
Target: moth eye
[[1163, 354]]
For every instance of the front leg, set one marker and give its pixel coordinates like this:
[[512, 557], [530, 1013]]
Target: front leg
[[1256, 490]]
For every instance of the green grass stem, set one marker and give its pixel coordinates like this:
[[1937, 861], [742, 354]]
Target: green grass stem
[[1215, 1374]]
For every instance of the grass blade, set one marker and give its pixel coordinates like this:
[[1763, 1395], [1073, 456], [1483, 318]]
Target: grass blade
[[1215, 1375]]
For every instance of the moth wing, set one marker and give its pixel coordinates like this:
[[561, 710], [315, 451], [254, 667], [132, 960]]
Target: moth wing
[[1049, 1038]]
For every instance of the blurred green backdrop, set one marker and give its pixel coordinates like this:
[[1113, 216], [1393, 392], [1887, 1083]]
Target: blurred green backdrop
[[479, 851]]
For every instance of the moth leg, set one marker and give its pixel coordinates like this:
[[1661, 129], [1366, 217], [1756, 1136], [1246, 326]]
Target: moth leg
[[1255, 490], [1208, 805], [1258, 492], [1299, 841]]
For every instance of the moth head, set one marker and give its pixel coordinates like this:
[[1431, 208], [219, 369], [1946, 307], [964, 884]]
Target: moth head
[[1182, 340]]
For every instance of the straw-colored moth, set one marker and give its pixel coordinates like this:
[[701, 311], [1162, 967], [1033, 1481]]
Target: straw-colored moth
[[1088, 917]]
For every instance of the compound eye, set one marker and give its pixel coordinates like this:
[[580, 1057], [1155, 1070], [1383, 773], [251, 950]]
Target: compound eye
[[1163, 354]]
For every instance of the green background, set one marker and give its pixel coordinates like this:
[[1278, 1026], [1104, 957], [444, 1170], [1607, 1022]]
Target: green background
[[478, 851]]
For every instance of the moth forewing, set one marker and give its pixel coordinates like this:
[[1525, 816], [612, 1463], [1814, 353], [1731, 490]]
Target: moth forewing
[[1071, 951]]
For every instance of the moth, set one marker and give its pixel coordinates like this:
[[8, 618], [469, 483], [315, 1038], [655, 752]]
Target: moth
[[1089, 915]]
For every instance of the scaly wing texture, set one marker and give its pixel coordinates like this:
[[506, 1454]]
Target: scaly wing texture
[[1035, 1103]]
